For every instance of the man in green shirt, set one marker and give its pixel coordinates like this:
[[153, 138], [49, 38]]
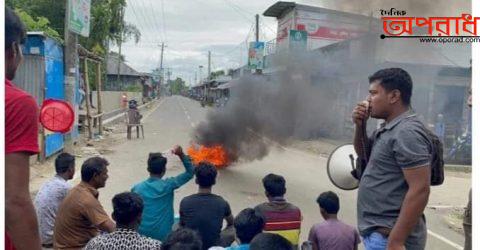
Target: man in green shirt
[[157, 194]]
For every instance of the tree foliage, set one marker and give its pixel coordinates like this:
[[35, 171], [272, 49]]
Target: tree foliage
[[38, 24], [216, 74], [177, 86], [107, 22]]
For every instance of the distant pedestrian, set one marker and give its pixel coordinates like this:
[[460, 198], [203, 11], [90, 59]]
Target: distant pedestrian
[[127, 212], [281, 217], [158, 194], [440, 127], [332, 233], [205, 211], [467, 217], [51, 195]]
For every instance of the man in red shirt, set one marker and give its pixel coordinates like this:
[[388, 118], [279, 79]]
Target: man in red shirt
[[21, 141]]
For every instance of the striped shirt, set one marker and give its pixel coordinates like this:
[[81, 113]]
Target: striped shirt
[[281, 218]]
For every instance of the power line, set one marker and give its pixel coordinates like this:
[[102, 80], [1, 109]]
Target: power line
[[143, 16], [157, 23], [240, 44], [137, 22], [164, 23], [148, 14], [236, 9]]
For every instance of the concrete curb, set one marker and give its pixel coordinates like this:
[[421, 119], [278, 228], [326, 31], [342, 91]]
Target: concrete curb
[[458, 168]]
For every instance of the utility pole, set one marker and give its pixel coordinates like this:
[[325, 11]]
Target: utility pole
[[120, 48], [161, 69], [209, 64], [256, 27], [70, 71], [257, 71]]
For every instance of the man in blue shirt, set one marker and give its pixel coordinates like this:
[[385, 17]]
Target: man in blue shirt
[[248, 224], [157, 194]]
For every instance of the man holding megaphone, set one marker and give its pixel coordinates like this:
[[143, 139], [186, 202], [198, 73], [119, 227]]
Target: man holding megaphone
[[395, 184]]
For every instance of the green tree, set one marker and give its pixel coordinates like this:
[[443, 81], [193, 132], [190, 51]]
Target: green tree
[[38, 24], [215, 74], [177, 86], [107, 22]]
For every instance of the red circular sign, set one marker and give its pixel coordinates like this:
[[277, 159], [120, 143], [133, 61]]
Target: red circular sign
[[57, 115]]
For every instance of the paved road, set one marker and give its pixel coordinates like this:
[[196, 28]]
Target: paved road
[[240, 184]]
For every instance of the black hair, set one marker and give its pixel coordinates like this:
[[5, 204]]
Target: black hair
[[183, 239], [127, 207], [395, 78], [14, 29], [64, 162], [93, 166], [248, 224], [274, 185], [156, 163], [268, 241], [329, 202], [205, 174]]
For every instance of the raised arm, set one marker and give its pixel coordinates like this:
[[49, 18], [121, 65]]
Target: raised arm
[[184, 177]]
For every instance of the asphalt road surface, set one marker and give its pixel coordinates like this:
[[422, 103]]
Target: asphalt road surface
[[240, 184]]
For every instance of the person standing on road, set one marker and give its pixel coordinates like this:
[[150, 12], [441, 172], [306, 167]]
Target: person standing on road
[[158, 194], [127, 212], [467, 217], [281, 217], [204, 211], [21, 142], [332, 233], [51, 195], [395, 186], [81, 216]]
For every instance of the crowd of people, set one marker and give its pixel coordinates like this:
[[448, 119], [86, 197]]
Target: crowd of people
[[393, 191], [73, 218]]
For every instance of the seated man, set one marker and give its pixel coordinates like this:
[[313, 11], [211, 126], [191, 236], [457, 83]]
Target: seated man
[[51, 195], [247, 225], [269, 241], [280, 216], [183, 239], [332, 233], [134, 115], [81, 216], [158, 193], [205, 211], [127, 212]]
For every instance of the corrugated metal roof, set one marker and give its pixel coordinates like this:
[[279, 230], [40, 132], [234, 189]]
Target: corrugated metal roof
[[125, 70], [279, 8]]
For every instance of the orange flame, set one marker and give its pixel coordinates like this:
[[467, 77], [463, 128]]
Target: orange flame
[[215, 155]]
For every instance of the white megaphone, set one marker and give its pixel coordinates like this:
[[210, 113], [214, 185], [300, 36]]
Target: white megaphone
[[340, 164]]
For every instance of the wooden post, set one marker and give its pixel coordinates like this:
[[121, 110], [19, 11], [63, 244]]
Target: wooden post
[[99, 98], [87, 95]]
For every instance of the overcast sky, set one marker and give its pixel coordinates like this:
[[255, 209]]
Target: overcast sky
[[190, 28]]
